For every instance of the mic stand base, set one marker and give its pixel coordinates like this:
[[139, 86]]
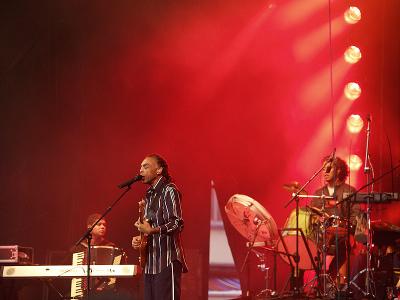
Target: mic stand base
[[370, 294]]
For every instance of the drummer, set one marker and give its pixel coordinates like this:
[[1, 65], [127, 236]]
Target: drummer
[[335, 174]]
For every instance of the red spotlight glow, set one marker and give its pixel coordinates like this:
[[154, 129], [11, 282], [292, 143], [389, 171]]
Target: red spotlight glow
[[297, 12], [352, 55], [316, 90], [313, 42], [352, 15], [355, 162], [354, 123], [352, 91]]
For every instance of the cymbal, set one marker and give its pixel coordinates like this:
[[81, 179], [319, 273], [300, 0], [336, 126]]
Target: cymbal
[[246, 214], [385, 233], [293, 187]]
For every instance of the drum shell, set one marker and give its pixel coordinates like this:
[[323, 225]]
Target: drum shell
[[304, 223], [289, 239]]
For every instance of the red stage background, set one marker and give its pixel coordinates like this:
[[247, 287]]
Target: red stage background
[[238, 92]]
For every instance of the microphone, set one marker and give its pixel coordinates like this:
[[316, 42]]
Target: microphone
[[130, 181], [330, 160], [332, 157]]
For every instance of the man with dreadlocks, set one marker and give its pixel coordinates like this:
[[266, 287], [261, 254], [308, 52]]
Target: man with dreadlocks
[[162, 224]]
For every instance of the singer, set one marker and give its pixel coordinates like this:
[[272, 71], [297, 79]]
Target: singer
[[163, 224]]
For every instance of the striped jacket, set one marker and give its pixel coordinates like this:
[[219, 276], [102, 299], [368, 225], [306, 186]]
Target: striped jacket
[[163, 209]]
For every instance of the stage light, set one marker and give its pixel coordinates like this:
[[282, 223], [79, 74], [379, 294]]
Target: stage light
[[352, 15], [354, 123], [352, 91], [352, 55], [355, 162]]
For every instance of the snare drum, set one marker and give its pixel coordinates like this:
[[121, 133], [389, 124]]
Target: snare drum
[[289, 238], [336, 225]]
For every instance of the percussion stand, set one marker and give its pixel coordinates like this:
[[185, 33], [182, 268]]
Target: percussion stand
[[262, 266], [251, 246]]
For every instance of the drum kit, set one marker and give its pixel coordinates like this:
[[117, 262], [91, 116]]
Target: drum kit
[[303, 243]]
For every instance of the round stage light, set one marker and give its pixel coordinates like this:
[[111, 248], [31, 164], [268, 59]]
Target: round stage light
[[354, 123], [352, 91], [352, 15], [355, 162], [352, 55]]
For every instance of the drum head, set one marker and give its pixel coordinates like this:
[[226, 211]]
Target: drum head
[[246, 214]]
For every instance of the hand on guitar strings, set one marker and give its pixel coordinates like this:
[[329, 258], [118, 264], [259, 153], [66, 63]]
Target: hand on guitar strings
[[146, 228], [136, 242]]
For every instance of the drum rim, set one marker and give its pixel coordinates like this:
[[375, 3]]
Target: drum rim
[[248, 202]]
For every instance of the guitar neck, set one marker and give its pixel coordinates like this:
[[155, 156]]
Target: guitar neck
[[143, 237]]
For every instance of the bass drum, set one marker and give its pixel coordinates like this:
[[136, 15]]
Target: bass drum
[[307, 248]]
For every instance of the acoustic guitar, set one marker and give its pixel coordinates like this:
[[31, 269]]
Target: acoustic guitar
[[143, 237]]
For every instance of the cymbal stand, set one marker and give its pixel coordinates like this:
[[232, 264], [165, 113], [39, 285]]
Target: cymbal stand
[[324, 275]]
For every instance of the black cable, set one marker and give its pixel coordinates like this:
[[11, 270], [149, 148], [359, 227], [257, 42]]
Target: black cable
[[391, 159]]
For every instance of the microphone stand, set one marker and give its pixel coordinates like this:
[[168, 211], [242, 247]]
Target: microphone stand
[[88, 236], [367, 171], [296, 197]]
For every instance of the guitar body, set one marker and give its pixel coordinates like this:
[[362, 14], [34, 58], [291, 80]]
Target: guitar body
[[143, 250], [143, 238]]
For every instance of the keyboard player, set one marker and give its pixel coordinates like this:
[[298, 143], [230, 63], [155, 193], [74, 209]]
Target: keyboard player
[[103, 252]]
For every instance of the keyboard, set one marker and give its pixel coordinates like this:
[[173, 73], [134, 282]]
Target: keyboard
[[68, 271]]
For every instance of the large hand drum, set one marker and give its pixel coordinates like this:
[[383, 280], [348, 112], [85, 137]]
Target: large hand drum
[[289, 237], [246, 214]]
